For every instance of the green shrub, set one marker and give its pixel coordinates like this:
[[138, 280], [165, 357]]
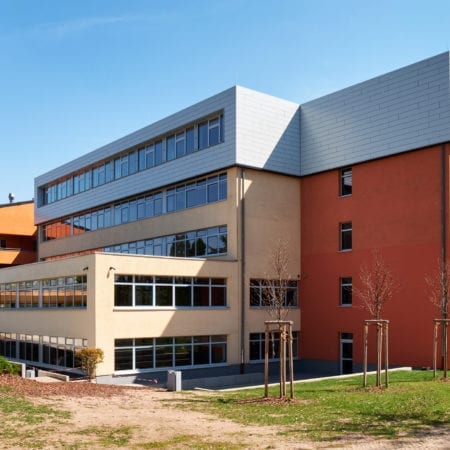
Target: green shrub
[[8, 367], [89, 358]]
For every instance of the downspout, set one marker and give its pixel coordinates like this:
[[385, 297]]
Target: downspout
[[242, 198], [443, 257], [443, 209]]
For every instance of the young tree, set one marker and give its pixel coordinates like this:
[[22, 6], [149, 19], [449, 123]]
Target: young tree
[[378, 285], [277, 288], [439, 292], [89, 358]]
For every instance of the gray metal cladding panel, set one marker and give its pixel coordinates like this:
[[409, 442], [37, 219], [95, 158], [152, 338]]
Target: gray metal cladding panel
[[268, 132], [190, 166], [403, 110], [224, 100]]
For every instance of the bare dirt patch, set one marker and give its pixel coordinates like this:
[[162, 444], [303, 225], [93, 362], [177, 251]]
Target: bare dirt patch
[[103, 416]]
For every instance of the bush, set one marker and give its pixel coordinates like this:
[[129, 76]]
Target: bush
[[8, 367], [88, 359]]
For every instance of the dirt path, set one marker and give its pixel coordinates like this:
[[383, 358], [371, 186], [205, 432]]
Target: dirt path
[[112, 417]]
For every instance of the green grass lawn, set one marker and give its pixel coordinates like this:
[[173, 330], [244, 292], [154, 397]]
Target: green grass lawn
[[326, 410]]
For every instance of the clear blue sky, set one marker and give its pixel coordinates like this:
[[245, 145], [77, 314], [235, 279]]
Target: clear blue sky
[[78, 74]]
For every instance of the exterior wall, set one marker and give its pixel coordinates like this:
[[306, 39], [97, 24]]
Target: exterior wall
[[403, 110], [18, 230], [267, 132], [271, 214], [76, 323], [117, 323], [195, 164], [210, 215], [394, 208]]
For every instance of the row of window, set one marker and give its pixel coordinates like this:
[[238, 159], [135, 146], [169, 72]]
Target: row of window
[[196, 137], [273, 293], [48, 350], [62, 292], [169, 292], [192, 244], [189, 195], [167, 352]]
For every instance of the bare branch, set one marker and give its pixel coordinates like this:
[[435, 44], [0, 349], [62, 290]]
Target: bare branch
[[378, 286], [278, 282], [439, 287]]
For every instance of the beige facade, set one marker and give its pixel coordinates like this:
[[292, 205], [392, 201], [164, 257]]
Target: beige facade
[[259, 209]]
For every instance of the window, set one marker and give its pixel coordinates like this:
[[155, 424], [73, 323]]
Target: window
[[169, 292], [165, 352], [2, 243], [346, 291], [346, 182], [346, 350], [196, 193], [257, 345], [62, 292], [262, 292], [346, 236], [46, 350], [169, 147]]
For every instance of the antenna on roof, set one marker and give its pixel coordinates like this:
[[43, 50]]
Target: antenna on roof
[[11, 197]]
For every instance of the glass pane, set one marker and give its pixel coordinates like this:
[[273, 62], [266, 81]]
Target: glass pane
[[144, 358], [170, 148], [144, 295], [203, 135], [163, 296], [123, 295], [123, 359], [182, 296]]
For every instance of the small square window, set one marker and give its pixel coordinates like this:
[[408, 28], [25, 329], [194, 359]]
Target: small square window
[[346, 182], [2, 243], [346, 236], [346, 291]]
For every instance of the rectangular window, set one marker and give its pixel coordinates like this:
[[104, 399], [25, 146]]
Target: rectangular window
[[346, 236], [167, 352], [270, 293], [2, 243], [346, 291], [346, 350], [169, 292], [346, 182]]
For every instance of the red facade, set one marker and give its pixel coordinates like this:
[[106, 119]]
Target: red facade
[[394, 208]]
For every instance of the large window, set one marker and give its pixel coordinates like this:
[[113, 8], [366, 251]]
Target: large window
[[192, 244], [146, 291], [174, 145], [266, 293], [346, 291], [167, 352], [52, 351], [62, 292], [345, 236], [196, 193], [346, 182], [257, 345]]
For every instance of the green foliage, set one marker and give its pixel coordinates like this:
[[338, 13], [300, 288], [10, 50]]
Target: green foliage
[[88, 358], [325, 410], [8, 367]]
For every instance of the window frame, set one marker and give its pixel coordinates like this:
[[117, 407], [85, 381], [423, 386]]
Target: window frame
[[345, 189], [345, 236], [346, 290]]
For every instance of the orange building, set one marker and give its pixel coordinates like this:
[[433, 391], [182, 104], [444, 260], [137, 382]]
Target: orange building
[[17, 234], [393, 206]]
